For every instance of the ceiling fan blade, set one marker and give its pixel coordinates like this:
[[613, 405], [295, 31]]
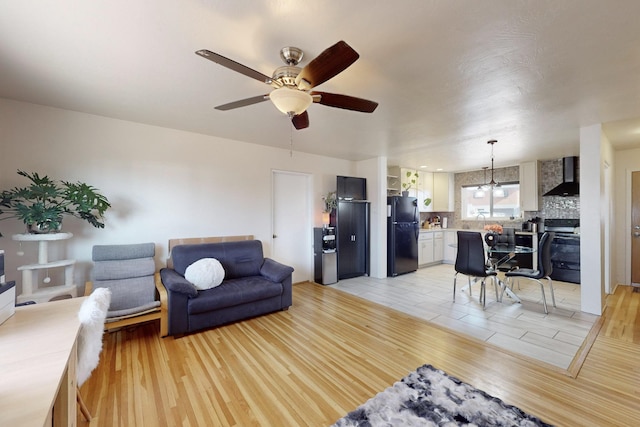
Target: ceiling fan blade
[[328, 64], [301, 121], [344, 101], [233, 65], [242, 103]]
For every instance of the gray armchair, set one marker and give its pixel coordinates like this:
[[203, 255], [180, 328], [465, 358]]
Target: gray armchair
[[129, 272]]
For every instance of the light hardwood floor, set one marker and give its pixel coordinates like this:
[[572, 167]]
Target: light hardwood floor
[[555, 338], [330, 352]]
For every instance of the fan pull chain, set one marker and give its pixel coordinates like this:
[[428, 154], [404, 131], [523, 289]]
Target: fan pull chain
[[291, 142]]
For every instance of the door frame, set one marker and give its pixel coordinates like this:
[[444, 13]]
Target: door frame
[[607, 212]]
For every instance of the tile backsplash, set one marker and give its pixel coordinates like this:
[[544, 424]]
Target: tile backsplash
[[551, 174], [556, 206]]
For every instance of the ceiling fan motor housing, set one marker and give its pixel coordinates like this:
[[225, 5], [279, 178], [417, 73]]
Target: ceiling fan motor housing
[[291, 55], [286, 75]]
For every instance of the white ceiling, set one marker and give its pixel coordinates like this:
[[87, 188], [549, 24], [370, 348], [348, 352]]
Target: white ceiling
[[448, 74]]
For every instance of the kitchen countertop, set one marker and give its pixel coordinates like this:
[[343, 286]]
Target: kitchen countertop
[[427, 230]]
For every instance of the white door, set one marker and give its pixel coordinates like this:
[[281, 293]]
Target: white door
[[635, 231], [292, 225]]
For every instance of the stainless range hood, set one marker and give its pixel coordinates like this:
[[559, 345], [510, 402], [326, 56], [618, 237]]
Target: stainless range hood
[[570, 185]]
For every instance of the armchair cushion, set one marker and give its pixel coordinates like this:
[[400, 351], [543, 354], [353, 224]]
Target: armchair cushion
[[123, 269], [206, 273], [127, 294], [128, 270]]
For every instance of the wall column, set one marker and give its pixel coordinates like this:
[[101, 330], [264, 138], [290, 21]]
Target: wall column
[[591, 232]]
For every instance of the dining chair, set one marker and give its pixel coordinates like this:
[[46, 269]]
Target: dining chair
[[92, 315], [470, 261], [508, 238], [544, 270]]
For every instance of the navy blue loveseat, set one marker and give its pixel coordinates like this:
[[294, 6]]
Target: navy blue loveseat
[[253, 285]]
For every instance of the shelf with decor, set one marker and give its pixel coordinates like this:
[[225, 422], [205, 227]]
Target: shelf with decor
[[393, 185], [30, 272]]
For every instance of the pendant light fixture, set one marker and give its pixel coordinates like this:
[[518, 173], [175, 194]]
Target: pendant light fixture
[[493, 182], [479, 193], [483, 186], [495, 186]]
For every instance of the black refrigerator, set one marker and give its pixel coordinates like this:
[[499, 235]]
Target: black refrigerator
[[403, 228]]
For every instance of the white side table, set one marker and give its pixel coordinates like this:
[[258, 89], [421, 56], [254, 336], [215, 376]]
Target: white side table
[[30, 290]]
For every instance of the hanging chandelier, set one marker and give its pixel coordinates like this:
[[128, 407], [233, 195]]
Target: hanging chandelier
[[495, 186], [484, 185], [493, 182], [479, 193]]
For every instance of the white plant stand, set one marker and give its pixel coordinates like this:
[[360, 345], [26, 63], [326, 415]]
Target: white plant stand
[[30, 290]]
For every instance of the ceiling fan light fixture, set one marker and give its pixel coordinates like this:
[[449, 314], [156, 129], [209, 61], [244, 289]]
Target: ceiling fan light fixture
[[290, 101]]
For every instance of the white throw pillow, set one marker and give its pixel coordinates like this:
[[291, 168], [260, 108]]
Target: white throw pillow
[[206, 273]]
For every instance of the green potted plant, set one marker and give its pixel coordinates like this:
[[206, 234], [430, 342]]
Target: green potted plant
[[42, 205], [412, 179]]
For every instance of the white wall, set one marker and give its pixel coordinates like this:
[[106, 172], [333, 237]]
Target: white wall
[[162, 183], [594, 151], [375, 170]]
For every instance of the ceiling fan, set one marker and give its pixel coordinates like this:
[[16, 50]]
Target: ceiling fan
[[292, 85]]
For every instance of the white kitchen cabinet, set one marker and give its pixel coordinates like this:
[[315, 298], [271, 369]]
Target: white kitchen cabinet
[[529, 186], [443, 192], [425, 191], [450, 252], [425, 248], [438, 246], [393, 183]]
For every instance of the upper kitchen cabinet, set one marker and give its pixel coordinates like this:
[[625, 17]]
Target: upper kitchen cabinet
[[529, 186], [393, 181], [425, 192], [407, 180], [443, 192]]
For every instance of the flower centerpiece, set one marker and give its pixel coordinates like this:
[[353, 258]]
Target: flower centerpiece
[[496, 228], [42, 205]]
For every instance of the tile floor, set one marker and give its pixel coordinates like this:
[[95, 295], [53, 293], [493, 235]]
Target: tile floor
[[523, 328]]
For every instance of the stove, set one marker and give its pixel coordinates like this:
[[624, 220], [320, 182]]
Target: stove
[[563, 226], [565, 249]]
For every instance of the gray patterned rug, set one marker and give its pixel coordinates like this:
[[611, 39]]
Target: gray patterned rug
[[430, 397]]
